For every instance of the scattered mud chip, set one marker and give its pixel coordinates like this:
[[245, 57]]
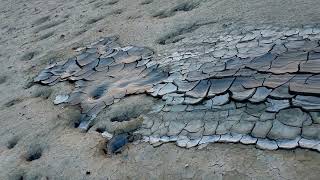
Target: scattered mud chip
[[28, 56], [34, 153], [13, 102], [116, 144]]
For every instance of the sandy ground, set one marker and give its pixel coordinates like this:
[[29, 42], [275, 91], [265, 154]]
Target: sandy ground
[[34, 33]]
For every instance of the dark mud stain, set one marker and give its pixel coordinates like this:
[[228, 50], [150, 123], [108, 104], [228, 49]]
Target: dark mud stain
[[28, 83], [43, 93], [99, 92], [145, 2], [134, 16], [66, 16], [176, 36], [103, 3], [100, 129], [185, 6], [116, 143], [10, 30], [116, 12], [3, 79], [70, 117], [161, 14], [17, 174], [80, 32], [92, 1], [34, 153], [130, 112], [46, 36], [112, 2], [13, 102], [28, 56], [41, 20], [48, 26], [76, 124], [121, 118], [62, 37], [94, 20], [12, 142], [98, 5]]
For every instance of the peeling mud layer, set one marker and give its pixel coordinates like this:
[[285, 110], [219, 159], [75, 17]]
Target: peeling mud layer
[[258, 86], [220, 89]]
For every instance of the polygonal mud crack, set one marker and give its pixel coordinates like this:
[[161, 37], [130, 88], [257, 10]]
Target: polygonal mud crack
[[256, 87]]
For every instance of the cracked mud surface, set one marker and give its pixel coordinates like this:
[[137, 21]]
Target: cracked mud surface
[[271, 100], [258, 86]]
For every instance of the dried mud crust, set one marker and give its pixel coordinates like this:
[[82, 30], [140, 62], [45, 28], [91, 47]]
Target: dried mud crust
[[256, 86]]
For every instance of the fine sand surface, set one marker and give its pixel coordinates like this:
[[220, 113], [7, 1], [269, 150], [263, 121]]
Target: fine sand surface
[[38, 139]]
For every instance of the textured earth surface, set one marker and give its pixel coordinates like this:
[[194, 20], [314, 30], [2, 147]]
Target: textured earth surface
[[218, 71], [256, 86]]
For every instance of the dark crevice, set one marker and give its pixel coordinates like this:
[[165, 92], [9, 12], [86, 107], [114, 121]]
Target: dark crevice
[[34, 154], [101, 129]]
